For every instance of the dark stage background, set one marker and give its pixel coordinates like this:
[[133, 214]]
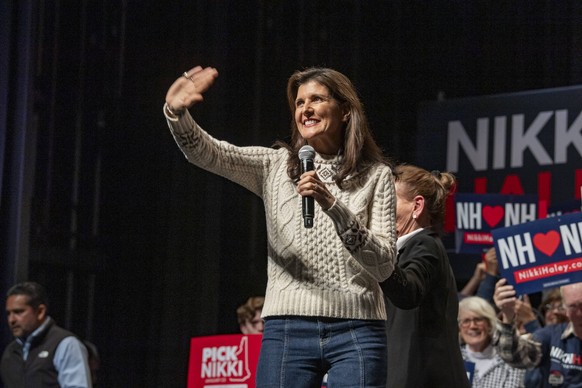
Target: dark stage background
[[140, 250]]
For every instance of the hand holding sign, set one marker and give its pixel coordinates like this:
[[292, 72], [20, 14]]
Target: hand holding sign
[[504, 298], [541, 254]]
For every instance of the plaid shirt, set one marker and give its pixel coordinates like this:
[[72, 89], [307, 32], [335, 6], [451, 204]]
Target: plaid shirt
[[554, 350], [519, 352]]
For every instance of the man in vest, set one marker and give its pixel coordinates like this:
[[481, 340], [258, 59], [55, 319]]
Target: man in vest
[[42, 354]]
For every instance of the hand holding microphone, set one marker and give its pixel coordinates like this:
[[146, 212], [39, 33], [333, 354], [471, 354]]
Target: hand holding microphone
[[306, 156], [310, 187]]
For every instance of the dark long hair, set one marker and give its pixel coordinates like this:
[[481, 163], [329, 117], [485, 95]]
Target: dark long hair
[[360, 151]]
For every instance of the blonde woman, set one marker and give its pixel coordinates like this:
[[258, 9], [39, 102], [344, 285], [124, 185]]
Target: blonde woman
[[478, 325]]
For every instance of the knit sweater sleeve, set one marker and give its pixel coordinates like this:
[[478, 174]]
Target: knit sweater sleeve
[[246, 166], [372, 245]]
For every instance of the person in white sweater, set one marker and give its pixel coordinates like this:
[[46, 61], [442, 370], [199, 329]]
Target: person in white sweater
[[324, 309]]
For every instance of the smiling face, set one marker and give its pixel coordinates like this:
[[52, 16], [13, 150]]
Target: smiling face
[[319, 118], [474, 330]]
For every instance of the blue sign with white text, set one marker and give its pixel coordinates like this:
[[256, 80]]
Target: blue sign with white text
[[541, 254], [478, 214]]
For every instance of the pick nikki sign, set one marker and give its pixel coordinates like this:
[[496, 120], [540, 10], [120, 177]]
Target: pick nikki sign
[[477, 214], [541, 254], [224, 361]]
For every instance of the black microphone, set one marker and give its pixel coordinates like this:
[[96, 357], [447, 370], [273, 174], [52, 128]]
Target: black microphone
[[306, 156]]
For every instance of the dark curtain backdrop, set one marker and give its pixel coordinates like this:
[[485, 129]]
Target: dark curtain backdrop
[[140, 250]]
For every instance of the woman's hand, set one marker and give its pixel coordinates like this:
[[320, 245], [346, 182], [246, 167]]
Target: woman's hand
[[188, 89], [310, 185], [504, 298]]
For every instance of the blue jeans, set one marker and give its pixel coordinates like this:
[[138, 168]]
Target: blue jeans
[[297, 352]]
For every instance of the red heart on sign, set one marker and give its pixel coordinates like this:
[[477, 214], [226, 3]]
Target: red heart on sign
[[547, 243], [492, 215]]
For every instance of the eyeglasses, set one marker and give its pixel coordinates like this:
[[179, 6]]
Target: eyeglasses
[[467, 321], [560, 308]]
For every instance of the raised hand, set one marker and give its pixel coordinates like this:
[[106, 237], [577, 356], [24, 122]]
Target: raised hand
[[188, 89], [504, 298], [491, 262]]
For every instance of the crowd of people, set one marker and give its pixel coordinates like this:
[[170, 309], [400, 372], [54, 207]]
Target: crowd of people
[[366, 297]]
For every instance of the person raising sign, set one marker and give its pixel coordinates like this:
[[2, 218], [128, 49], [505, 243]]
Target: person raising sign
[[554, 349]]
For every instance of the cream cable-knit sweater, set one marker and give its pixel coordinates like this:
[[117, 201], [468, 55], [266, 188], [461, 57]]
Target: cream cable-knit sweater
[[330, 270]]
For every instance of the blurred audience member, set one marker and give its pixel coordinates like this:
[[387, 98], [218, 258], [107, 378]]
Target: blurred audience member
[[486, 274], [555, 349], [473, 284], [487, 286], [552, 308], [478, 325], [526, 317], [249, 315]]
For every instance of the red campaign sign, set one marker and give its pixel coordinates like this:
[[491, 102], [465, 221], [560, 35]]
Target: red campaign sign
[[224, 361]]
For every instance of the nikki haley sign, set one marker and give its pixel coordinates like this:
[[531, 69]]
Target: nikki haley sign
[[527, 143], [224, 361], [541, 254], [478, 214]]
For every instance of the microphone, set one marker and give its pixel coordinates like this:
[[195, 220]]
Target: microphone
[[306, 155]]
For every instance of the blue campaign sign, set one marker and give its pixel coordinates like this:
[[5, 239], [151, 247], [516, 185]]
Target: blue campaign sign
[[478, 214], [512, 143], [541, 254]]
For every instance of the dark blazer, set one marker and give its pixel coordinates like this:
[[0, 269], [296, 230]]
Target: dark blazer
[[422, 307]]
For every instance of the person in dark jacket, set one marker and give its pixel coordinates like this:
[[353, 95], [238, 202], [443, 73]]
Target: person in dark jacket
[[421, 294], [42, 354]]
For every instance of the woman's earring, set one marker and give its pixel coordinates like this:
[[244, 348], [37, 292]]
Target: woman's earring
[[414, 216]]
